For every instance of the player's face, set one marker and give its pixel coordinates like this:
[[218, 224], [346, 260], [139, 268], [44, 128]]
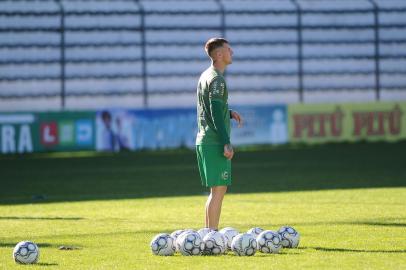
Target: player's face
[[227, 54]]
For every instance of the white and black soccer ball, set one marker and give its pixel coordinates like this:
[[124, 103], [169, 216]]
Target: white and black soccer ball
[[229, 233], [176, 233], [203, 231], [255, 231], [215, 243], [163, 245], [190, 243], [244, 244], [269, 242], [26, 252], [290, 237], [175, 236]]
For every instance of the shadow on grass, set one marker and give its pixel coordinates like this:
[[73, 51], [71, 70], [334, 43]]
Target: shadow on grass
[[91, 235], [12, 245], [381, 224], [353, 250], [281, 253], [361, 223], [44, 178], [41, 218], [46, 264]]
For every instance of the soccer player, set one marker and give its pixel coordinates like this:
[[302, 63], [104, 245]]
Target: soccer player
[[213, 147]]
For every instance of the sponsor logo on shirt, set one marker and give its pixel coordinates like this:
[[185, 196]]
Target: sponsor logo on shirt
[[218, 88], [222, 88], [215, 88]]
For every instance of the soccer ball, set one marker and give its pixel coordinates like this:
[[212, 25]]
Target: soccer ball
[[244, 244], [255, 231], [177, 234], [229, 233], [290, 237], [215, 243], [26, 252], [190, 243], [269, 242], [163, 244], [202, 232]]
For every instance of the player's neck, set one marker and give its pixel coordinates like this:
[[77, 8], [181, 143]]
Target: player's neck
[[220, 66]]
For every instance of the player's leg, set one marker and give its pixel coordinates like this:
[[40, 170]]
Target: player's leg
[[202, 172], [207, 211], [215, 173], [213, 206]]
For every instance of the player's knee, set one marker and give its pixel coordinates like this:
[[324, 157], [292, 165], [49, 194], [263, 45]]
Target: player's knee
[[218, 191]]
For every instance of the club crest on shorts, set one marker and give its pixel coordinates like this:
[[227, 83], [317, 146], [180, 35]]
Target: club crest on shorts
[[224, 175]]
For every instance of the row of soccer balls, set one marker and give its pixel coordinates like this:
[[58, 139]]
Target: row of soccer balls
[[209, 242]]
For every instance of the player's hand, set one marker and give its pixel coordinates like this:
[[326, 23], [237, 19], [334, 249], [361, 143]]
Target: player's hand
[[228, 151], [237, 117]]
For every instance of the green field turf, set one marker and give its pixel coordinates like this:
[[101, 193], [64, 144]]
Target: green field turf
[[348, 201]]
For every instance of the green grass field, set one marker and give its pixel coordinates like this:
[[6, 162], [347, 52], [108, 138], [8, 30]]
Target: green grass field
[[348, 201]]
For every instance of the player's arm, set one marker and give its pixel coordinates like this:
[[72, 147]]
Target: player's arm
[[217, 115], [217, 107]]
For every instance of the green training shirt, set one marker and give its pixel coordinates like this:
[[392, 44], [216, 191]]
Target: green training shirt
[[213, 116]]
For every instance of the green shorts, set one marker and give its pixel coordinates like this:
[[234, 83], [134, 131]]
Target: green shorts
[[214, 168]]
